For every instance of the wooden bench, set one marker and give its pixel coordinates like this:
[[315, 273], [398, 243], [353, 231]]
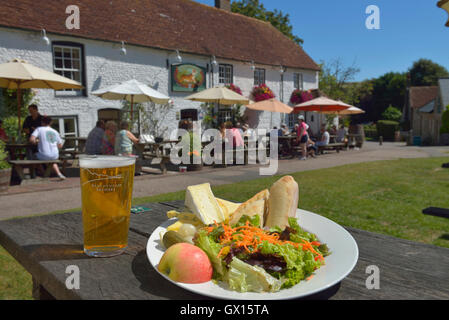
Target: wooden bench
[[19, 165], [331, 146], [159, 159]]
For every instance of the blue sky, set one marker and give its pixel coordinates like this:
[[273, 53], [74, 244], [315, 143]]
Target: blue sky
[[409, 30]]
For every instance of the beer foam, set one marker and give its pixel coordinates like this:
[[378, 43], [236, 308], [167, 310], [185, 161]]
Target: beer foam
[[100, 162]]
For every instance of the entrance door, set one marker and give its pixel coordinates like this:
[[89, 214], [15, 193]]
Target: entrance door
[[109, 115]]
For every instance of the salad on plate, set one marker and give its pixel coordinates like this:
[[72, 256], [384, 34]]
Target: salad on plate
[[256, 246]]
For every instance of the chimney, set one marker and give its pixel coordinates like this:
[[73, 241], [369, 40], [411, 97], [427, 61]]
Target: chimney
[[223, 4]]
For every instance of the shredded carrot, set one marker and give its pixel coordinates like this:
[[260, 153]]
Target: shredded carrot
[[310, 277], [250, 237]]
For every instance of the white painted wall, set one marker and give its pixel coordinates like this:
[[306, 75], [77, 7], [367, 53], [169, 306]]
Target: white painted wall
[[105, 66]]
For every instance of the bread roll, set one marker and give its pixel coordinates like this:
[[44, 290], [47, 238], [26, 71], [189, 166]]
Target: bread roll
[[282, 202]]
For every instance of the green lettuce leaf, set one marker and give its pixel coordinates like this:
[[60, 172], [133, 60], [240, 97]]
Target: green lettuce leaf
[[211, 248], [243, 277], [300, 264]]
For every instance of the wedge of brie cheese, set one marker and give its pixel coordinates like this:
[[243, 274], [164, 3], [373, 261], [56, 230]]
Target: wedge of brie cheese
[[201, 201]]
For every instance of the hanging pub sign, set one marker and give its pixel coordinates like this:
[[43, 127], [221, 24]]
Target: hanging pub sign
[[188, 78]]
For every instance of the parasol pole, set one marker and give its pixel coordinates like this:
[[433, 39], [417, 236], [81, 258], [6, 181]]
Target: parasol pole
[[19, 102], [132, 102]]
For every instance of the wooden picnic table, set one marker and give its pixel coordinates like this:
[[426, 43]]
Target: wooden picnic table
[[155, 153], [46, 246], [355, 140], [286, 145], [75, 143], [155, 147], [15, 150]]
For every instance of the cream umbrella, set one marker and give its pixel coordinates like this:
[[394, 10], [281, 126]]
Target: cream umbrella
[[18, 74], [272, 105], [220, 95], [132, 91]]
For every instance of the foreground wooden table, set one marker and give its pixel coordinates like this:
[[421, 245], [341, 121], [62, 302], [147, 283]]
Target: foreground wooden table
[[47, 246]]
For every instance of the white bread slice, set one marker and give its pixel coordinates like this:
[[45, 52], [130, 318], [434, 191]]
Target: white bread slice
[[282, 203], [255, 205], [227, 207]]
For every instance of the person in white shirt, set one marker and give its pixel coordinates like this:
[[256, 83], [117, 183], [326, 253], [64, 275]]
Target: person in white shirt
[[325, 137], [341, 134], [48, 143]]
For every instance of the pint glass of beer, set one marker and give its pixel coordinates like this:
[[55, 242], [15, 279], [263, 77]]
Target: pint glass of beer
[[106, 192]]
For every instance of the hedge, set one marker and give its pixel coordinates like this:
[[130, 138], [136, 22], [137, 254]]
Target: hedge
[[387, 128]]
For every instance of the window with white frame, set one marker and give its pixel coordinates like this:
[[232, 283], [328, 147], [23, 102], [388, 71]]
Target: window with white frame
[[292, 119], [225, 74], [67, 126], [298, 81], [224, 114], [68, 62], [259, 76]]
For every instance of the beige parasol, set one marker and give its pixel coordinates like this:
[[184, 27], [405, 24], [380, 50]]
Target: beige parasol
[[272, 105], [220, 95], [132, 91], [18, 74]]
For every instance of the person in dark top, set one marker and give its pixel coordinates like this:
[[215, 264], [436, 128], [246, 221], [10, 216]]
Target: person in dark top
[[31, 123]]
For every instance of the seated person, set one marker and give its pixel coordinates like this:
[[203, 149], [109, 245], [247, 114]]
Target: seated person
[[333, 131], [325, 137], [94, 139], [124, 140], [311, 148], [294, 130], [48, 143], [108, 140], [341, 134], [283, 131]]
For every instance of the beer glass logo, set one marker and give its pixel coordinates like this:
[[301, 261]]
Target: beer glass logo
[[98, 181]]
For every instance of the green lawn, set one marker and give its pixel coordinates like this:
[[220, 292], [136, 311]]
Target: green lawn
[[384, 197]]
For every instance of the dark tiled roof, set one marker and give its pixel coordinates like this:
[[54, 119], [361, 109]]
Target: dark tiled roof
[[420, 96], [167, 24]]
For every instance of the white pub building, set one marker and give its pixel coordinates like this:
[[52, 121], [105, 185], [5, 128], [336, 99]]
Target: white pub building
[[158, 42]]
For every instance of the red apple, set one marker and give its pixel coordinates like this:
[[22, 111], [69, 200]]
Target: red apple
[[186, 263]]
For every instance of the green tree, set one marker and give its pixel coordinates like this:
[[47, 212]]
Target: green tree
[[279, 20], [392, 113], [8, 102], [388, 89], [425, 72], [335, 82]]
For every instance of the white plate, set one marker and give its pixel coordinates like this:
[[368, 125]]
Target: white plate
[[341, 261]]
